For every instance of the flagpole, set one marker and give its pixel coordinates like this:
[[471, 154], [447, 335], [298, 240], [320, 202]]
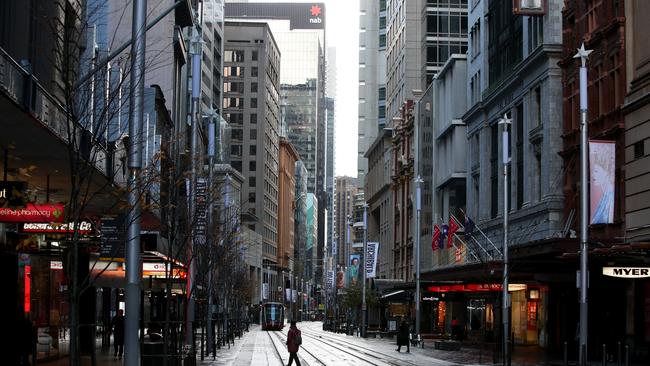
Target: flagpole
[[465, 243], [485, 236]]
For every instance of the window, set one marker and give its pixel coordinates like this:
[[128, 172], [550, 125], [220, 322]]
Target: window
[[639, 149], [233, 71], [253, 118], [233, 87], [254, 56], [254, 71], [519, 141], [538, 188], [253, 150], [592, 19], [253, 87], [234, 118], [237, 134], [236, 164], [382, 41], [234, 56], [494, 171], [475, 40], [253, 134], [253, 102], [505, 44], [251, 181], [236, 103], [252, 166], [235, 150], [382, 93], [535, 32], [536, 107]]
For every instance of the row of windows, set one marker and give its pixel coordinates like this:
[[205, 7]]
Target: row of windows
[[446, 24], [239, 55], [238, 134], [239, 71], [238, 103]]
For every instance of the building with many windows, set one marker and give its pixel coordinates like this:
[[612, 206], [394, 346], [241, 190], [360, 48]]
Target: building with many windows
[[372, 79], [251, 106], [299, 29], [346, 188]]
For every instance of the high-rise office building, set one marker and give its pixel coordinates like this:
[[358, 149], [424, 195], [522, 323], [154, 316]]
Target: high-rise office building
[[372, 79], [251, 106], [212, 57], [299, 29], [346, 189]]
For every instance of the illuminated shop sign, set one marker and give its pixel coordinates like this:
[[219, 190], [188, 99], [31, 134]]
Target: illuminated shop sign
[[84, 227], [33, 213], [627, 272]]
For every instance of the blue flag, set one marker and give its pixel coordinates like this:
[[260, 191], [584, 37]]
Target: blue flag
[[469, 227], [443, 236]]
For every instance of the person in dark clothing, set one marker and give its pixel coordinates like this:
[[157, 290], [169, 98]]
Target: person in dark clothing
[[403, 337], [117, 324], [26, 340], [294, 340]]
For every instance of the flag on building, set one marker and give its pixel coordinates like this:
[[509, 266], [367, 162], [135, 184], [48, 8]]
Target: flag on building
[[441, 241], [453, 227], [469, 227], [435, 238]]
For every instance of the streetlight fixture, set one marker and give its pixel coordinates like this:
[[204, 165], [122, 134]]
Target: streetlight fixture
[[418, 208], [364, 315], [505, 121], [417, 94], [583, 54]]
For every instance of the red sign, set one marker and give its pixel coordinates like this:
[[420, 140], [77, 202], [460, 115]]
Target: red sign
[[315, 10], [33, 213]]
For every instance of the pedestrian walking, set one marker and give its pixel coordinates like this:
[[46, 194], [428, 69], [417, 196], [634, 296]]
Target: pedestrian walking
[[294, 340], [403, 337], [117, 324]]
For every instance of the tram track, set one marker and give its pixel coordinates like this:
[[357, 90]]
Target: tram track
[[283, 340], [379, 356]]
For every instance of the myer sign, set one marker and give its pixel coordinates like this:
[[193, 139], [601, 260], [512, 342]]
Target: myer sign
[[627, 272]]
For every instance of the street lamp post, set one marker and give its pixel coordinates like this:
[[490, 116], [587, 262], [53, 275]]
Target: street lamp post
[[418, 208], [132, 250], [505, 121], [583, 54], [364, 309]]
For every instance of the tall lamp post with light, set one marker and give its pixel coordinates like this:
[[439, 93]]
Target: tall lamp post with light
[[583, 54], [418, 295], [505, 121], [364, 306]]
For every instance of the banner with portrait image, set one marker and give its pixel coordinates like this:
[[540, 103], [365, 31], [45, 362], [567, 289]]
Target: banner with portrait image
[[602, 173], [353, 270]]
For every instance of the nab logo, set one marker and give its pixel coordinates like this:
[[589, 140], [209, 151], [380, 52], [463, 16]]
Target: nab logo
[[315, 13]]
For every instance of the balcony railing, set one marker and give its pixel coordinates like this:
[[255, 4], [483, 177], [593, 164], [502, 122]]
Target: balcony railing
[[25, 90]]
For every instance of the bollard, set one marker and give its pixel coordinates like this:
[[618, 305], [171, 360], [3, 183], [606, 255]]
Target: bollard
[[627, 355], [566, 354], [604, 355], [618, 356]]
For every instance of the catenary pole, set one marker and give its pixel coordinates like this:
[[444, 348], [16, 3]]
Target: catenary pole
[[132, 250], [196, 92], [211, 154], [505, 121], [418, 210], [584, 208], [364, 306]]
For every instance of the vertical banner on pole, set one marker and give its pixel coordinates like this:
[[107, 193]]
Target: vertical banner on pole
[[602, 171], [371, 259]]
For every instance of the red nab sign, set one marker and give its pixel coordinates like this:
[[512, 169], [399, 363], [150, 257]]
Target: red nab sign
[[33, 213]]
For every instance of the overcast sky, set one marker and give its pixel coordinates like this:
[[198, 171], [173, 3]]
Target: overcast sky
[[342, 32]]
